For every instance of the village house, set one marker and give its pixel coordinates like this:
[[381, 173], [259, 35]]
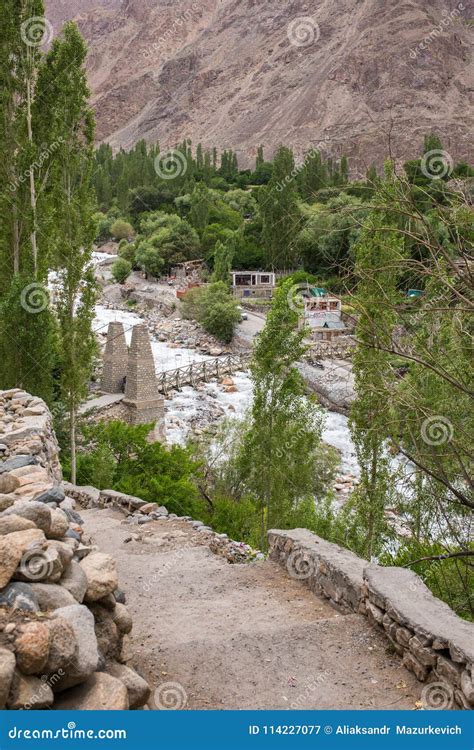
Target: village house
[[322, 313], [256, 284]]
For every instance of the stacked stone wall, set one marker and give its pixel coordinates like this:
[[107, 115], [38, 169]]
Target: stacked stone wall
[[433, 642], [64, 626]]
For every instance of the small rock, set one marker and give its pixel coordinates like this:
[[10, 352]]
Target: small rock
[[122, 618], [100, 692], [137, 688], [32, 647], [7, 670], [119, 596], [54, 495], [29, 692], [59, 524], [19, 596], [74, 580], [101, 575]]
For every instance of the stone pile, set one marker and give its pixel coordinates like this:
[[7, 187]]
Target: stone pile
[[63, 621], [433, 642]]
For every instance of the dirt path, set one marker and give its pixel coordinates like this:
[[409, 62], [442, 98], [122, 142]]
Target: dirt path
[[242, 636]]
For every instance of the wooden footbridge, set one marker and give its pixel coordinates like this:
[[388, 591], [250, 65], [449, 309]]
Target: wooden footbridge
[[201, 372]]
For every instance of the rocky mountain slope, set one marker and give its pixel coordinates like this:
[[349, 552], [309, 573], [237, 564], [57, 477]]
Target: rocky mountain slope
[[364, 77]]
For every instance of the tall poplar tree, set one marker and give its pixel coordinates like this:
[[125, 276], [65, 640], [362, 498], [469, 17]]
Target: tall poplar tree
[[63, 79], [279, 212], [26, 327]]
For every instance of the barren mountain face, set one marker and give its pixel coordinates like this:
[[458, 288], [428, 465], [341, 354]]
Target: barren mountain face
[[364, 77]]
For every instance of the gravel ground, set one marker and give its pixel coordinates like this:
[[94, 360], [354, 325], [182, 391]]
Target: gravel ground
[[208, 634]]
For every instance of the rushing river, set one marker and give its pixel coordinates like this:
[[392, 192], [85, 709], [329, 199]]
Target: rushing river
[[183, 408]]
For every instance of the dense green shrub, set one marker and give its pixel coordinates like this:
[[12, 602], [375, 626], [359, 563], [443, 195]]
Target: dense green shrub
[[121, 270]]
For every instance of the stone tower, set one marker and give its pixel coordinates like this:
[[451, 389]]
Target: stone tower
[[142, 400], [115, 359]]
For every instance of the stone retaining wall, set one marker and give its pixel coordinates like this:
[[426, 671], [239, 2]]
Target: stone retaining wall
[[63, 621], [434, 643]]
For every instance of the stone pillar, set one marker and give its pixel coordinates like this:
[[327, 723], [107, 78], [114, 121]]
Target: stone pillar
[[142, 400], [115, 359]]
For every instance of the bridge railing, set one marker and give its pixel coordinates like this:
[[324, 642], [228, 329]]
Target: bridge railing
[[200, 372]]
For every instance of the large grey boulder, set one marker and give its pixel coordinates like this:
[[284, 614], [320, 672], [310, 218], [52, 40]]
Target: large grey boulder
[[39, 513], [62, 648], [86, 657], [50, 596]]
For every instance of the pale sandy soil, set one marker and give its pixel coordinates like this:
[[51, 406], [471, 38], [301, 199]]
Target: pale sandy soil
[[242, 636]]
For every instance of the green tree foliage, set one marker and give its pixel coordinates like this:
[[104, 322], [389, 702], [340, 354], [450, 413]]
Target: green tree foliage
[[121, 230], [118, 456], [279, 211], [173, 239], [63, 76], [223, 255], [121, 270], [281, 448], [26, 151], [213, 307]]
